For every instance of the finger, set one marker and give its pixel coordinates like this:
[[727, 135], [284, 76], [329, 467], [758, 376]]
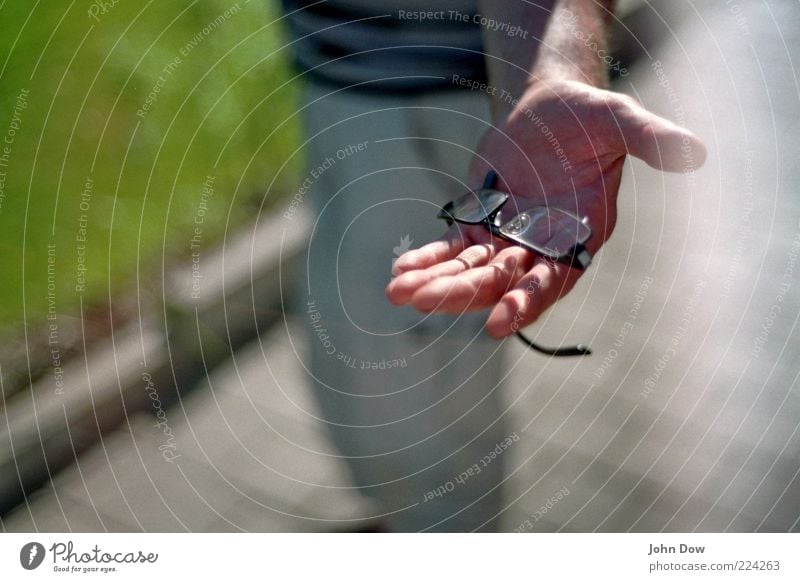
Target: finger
[[658, 141], [448, 247], [476, 288], [537, 290], [430, 254], [402, 288]]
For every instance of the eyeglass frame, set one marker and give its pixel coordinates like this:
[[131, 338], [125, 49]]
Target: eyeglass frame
[[577, 256]]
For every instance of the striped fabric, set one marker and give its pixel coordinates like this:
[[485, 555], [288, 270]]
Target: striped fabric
[[386, 45]]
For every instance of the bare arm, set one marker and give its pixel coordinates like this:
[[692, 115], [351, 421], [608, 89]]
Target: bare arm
[[553, 48]]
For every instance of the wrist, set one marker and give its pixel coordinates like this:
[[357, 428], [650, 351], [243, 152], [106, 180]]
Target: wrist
[[574, 46]]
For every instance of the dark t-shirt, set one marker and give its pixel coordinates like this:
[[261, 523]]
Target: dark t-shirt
[[387, 44]]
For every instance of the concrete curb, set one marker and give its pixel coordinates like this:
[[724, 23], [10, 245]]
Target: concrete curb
[[221, 299]]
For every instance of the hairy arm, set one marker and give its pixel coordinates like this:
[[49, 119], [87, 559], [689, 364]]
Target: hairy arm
[[561, 40]]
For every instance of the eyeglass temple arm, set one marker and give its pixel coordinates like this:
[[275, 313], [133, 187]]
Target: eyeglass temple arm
[[579, 257], [490, 181], [579, 350]]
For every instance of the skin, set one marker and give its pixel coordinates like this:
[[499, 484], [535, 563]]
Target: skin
[[562, 81]]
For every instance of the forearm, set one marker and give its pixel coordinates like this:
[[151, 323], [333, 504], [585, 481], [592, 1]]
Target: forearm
[[564, 40]]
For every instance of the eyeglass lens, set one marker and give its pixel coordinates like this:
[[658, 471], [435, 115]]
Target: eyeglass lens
[[551, 229], [476, 207]]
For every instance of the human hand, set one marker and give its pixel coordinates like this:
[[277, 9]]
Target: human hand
[[563, 144]]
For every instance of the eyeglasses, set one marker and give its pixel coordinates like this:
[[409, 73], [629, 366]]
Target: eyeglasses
[[551, 232]]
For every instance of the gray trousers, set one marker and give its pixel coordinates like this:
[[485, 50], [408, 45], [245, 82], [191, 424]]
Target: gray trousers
[[412, 401]]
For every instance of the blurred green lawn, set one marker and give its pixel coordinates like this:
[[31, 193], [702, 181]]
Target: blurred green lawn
[[83, 78]]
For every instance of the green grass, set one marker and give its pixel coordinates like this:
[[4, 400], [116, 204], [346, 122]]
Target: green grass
[[86, 80]]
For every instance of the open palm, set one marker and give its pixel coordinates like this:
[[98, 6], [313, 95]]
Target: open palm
[[562, 145]]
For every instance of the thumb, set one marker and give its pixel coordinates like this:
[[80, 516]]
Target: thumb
[[658, 141]]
